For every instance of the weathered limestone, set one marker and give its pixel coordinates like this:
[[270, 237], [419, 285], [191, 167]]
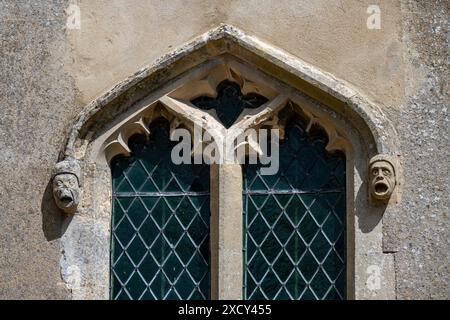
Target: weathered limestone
[[102, 129], [226, 220], [66, 185], [51, 72], [382, 178], [123, 98]]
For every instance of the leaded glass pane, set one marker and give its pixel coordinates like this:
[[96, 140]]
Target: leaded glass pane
[[295, 222], [229, 103], [160, 224]]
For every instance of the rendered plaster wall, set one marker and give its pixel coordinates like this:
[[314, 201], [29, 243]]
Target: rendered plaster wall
[[118, 37], [49, 73]]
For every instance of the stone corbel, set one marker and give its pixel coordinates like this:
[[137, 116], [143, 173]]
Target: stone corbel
[[383, 179], [66, 183]]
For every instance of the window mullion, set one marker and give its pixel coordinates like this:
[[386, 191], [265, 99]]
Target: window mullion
[[226, 232]]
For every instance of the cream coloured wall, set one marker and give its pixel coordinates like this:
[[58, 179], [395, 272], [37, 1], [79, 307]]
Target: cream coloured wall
[[119, 37]]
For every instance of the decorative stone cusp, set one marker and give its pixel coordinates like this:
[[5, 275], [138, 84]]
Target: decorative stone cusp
[[382, 178], [66, 185]]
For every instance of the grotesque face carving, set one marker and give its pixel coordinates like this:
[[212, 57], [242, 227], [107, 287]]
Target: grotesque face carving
[[382, 178], [66, 185], [66, 192]]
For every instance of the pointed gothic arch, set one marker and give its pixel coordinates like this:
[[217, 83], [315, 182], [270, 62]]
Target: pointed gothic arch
[[166, 88]]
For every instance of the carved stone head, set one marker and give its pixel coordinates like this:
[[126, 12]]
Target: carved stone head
[[382, 178], [66, 185]]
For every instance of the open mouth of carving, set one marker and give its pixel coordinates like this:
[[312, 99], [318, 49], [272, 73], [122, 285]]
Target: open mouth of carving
[[381, 188], [66, 200]]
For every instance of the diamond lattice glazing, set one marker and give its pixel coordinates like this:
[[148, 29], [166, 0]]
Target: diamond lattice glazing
[[160, 227], [294, 221]]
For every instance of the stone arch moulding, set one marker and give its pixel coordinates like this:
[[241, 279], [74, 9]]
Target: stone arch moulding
[[375, 127], [100, 132]]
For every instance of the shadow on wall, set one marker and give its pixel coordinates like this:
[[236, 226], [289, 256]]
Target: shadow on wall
[[54, 221]]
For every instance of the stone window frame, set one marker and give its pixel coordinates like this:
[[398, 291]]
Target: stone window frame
[[353, 124]]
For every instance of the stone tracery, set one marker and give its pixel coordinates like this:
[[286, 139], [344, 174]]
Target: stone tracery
[[166, 90]]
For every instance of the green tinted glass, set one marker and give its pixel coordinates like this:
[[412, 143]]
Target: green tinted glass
[[160, 226], [295, 222], [229, 103]]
